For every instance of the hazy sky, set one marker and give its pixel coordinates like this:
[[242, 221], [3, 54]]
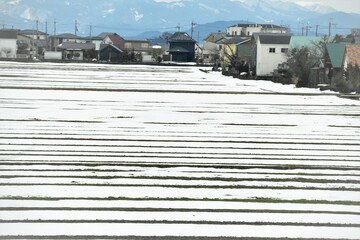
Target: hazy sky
[[341, 5]]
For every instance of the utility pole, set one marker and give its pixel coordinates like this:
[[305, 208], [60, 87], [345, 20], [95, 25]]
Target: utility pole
[[46, 35], [54, 27], [317, 29], [307, 29], [330, 25], [193, 24], [32, 42], [91, 32], [37, 37], [76, 27]]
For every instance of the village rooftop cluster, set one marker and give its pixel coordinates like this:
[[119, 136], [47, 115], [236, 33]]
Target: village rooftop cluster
[[250, 49]]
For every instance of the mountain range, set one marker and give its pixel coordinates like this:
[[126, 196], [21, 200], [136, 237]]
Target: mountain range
[[144, 18]]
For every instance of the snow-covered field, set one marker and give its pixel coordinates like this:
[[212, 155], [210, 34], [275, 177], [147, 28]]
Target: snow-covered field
[[145, 152]]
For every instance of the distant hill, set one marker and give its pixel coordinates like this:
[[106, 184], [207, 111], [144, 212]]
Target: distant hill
[[146, 18]]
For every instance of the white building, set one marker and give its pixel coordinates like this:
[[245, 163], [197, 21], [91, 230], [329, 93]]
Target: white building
[[269, 51], [249, 29], [8, 43], [32, 33]]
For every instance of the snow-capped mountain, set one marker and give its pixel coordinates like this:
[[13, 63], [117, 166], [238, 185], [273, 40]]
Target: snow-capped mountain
[[133, 17]]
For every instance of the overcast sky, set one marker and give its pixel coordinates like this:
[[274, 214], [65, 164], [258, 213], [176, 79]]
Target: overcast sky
[[341, 5]]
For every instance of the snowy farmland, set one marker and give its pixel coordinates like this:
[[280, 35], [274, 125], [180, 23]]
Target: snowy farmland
[[149, 152]]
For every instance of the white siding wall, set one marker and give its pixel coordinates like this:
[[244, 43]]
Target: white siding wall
[[266, 62], [8, 48]]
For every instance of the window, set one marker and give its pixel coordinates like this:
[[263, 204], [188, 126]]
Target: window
[[128, 45], [271, 50], [144, 45], [284, 50]]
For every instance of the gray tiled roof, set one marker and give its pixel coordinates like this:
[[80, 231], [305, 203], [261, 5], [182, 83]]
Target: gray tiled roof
[[214, 37], [103, 46], [76, 46], [273, 38], [236, 40], [8, 34], [67, 35], [181, 37], [31, 32]]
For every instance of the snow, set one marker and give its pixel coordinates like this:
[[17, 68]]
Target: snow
[[187, 145]]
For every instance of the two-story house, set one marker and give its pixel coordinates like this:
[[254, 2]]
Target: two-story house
[[140, 48], [268, 51], [56, 40], [235, 53], [211, 47], [116, 40], [182, 47], [25, 45], [40, 40]]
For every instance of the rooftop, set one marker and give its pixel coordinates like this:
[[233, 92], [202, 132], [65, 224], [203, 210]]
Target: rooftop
[[273, 38], [31, 32], [67, 35], [76, 46], [181, 37], [116, 39], [214, 37], [257, 25], [8, 34], [336, 53], [236, 40]]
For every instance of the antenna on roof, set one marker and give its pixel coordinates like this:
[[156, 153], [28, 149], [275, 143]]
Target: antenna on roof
[[178, 27]]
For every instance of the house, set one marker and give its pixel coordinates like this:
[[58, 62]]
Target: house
[[96, 40], [236, 53], [65, 37], [140, 49], [76, 51], [199, 52], [116, 40], [110, 53], [211, 47], [351, 56], [334, 56], [8, 43], [34, 34], [40, 40], [268, 51], [25, 46], [182, 47], [249, 29]]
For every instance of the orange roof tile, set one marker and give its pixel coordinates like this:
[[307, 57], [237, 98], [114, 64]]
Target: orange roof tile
[[353, 54]]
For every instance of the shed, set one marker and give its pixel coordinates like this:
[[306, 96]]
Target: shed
[[182, 47], [110, 53]]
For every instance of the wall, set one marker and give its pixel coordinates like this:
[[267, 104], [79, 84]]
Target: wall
[[8, 48], [266, 62]]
